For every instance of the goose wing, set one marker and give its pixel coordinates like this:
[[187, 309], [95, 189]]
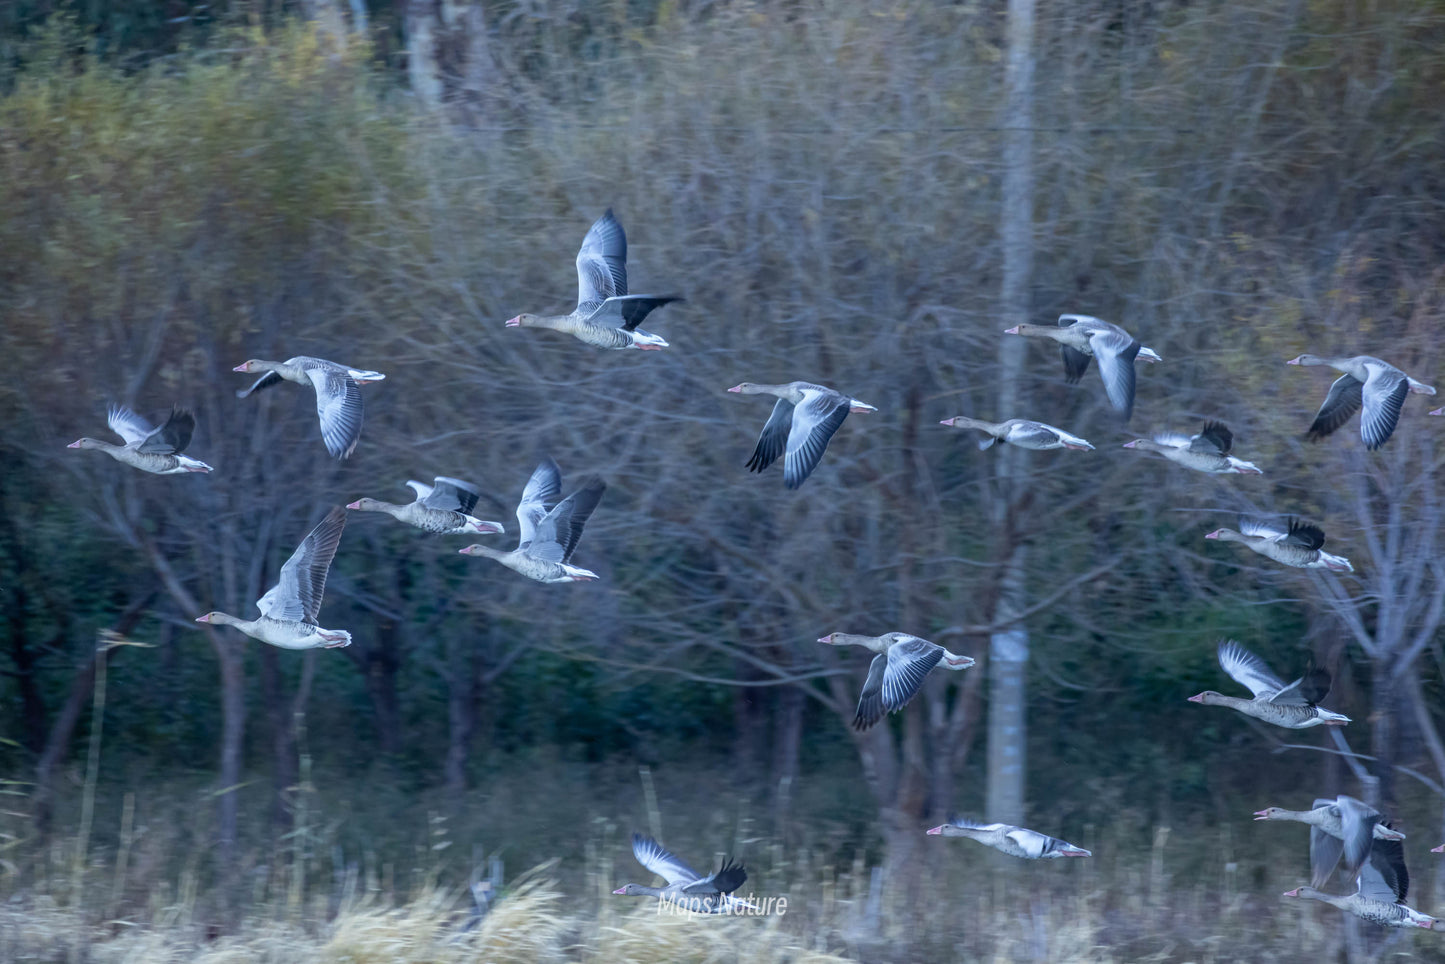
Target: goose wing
[[1075, 361], [1342, 402], [1116, 352], [726, 879], [870, 699], [1031, 842], [601, 264], [449, 494], [774, 437], [815, 419], [1261, 530], [1248, 670], [1325, 852], [1215, 439], [543, 490], [265, 381], [172, 437], [1314, 685], [1304, 534], [1357, 827], [338, 405], [1174, 440], [627, 311], [909, 662], [128, 425], [558, 531], [661, 861], [1382, 398], [296, 597], [1384, 877]]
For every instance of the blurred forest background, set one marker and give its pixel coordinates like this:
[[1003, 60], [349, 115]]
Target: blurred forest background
[[186, 185]]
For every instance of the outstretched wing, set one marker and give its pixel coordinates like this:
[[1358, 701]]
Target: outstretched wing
[[601, 264], [1342, 402], [1248, 670], [627, 311], [558, 531], [909, 662], [128, 425], [728, 878], [815, 419], [661, 861], [1116, 352], [1215, 439], [541, 493], [1383, 398], [296, 597], [774, 437], [338, 406], [452, 495]]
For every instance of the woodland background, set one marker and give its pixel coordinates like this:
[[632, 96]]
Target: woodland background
[[186, 185]]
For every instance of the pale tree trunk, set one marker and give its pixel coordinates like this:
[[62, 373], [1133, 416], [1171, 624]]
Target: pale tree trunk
[[1009, 647]]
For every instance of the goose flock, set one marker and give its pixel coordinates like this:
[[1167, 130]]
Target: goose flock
[[1345, 834]]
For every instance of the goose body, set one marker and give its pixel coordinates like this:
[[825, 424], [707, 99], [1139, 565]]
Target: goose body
[[1380, 892], [1082, 337], [1291, 705], [442, 507], [1370, 386], [1206, 452], [686, 888], [804, 418], [338, 395], [896, 673], [154, 449], [1021, 432], [606, 316], [1298, 544], [289, 609], [1014, 841], [1343, 826], [549, 529]]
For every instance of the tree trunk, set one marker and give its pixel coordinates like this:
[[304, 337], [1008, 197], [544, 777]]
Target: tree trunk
[[463, 685], [381, 665], [787, 739], [1009, 648], [229, 653], [283, 748]]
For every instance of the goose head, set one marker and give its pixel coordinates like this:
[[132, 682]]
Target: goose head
[[631, 890], [1269, 813], [481, 525], [1305, 360], [1208, 697], [520, 321], [250, 365], [744, 388], [210, 617], [85, 443]]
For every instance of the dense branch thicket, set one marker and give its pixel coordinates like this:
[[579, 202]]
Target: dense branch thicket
[[1235, 183]]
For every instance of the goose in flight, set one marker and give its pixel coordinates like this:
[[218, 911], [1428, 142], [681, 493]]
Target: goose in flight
[[550, 529], [1014, 841], [149, 448], [1293, 705], [290, 609], [804, 418], [686, 888], [1021, 432], [1380, 892], [1082, 337], [1343, 825], [1206, 452], [338, 397], [443, 507], [1297, 544], [1370, 386], [896, 673], [606, 316]]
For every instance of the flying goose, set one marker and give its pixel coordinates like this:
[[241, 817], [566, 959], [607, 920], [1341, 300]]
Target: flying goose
[[1293, 706], [442, 507], [1014, 841], [338, 399], [549, 529], [896, 673], [1379, 896], [686, 888], [150, 449], [606, 316], [1083, 337], [1021, 432], [1206, 452], [1297, 545], [1343, 825], [803, 420], [289, 609], [1369, 383]]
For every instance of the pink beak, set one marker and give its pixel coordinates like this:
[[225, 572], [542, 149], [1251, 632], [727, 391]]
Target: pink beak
[[620, 890], [354, 505], [204, 619], [946, 421], [1011, 331], [1261, 815], [826, 639], [514, 322], [1214, 534], [1292, 361], [1291, 893], [241, 368], [937, 831], [1129, 445], [74, 445], [736, 388], [1197, 699], [1438, 850], [466, 552]]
